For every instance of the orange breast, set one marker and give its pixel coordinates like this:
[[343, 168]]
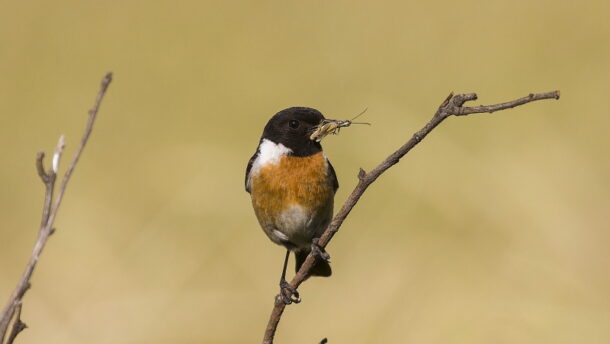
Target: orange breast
[[301, 181], [294, 180]]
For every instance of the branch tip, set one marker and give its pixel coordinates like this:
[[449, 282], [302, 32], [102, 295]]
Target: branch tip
[[40, 167], [107, 78], [446, 101], [61, 144], [361, 174]]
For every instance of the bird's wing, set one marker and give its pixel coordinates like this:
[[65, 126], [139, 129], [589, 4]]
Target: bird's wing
[[333, 176], [250, 162]]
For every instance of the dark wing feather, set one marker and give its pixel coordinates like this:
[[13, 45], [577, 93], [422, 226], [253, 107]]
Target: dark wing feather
[[250, 162], [333, 176]]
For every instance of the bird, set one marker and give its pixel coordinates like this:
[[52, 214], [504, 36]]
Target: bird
[[292, 185]]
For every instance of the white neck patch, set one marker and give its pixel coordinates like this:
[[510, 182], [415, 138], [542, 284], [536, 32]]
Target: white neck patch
[[269, 152]]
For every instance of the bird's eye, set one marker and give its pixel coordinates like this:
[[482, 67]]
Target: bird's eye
[[293, 124]]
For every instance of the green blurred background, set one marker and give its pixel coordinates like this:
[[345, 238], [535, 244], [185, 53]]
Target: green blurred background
[[493, 230]]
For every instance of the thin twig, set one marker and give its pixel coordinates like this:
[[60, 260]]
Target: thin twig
[[452, 106], [49, 212]]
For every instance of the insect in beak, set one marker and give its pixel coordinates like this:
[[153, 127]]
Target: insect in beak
[[332, 126]]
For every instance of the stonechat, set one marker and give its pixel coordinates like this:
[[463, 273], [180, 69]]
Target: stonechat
[[293, 185]]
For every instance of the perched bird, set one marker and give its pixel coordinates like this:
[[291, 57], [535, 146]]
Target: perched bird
[[293, 185]]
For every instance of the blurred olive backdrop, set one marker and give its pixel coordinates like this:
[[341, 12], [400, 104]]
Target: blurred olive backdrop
[[493, 230]]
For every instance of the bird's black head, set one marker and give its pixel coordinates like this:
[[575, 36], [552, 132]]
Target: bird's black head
[[292, 127]]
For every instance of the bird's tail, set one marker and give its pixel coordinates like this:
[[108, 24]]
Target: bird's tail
[[321, 268]]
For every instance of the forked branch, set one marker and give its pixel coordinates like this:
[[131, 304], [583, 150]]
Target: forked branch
[[12, 310], [452, 106]]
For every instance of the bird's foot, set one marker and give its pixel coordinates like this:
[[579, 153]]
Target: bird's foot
[[288, 294], [319, 251]]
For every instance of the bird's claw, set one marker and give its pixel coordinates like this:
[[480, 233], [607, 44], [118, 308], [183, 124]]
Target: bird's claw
[[319, 251], [288, 294]]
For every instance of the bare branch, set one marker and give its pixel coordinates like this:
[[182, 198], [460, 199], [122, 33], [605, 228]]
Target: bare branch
[[503, 106], [49, 213], [88, 129], [452, 105], [18, 325]]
